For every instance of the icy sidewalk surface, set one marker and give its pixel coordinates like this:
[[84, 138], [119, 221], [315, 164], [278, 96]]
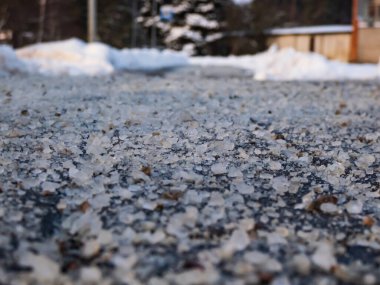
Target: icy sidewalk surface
[[193, 177]]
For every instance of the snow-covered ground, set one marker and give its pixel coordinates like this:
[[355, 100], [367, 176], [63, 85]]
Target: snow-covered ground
[[288, 64], [75, 57]]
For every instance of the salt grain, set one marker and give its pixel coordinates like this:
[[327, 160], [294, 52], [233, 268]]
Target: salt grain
[[324, 257], [329, 208], [219, 168]]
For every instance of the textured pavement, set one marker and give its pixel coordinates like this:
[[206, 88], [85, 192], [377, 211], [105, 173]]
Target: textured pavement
[[196, 176]]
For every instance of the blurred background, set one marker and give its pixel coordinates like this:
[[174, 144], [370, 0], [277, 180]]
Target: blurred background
[[201, 27]]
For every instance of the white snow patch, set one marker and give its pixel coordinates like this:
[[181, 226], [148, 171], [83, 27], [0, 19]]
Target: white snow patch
[[186, 32], [288, 64], [75, 57], [9, 63], [197, 20]]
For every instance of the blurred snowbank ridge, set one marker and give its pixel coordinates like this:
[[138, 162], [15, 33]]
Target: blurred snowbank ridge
[[288, 64], [75, 57]]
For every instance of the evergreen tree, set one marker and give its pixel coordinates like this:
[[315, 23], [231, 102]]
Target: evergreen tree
[[190, 25], [116, 23]]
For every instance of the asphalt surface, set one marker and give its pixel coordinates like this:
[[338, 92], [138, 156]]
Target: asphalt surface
[[196, 176]]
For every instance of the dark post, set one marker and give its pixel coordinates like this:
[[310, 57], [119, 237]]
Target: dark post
[[91, 21], [355, 32]]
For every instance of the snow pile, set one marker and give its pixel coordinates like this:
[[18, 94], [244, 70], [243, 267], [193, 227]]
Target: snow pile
[[288, 64], [9, 63], [72, 57], [75, 57]]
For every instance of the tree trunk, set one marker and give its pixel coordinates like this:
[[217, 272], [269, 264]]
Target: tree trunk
[[41, 22]]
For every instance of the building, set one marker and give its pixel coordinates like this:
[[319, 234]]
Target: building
[[358, 42], [369, 13], [368, 44]]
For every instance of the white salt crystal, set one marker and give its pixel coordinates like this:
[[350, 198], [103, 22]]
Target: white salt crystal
[[61, 205], [154, 238], [302, 264], [247, 224], [280, 184], [196, 276], [365, 161], [219, 168], [192, 197], [216, 199], [147, 204], [239, 240], [256, 257], [49, 186], [369, 279], [281, 280], [134, 188], [104, 237], [45, 269], [90, 275], [275, 165], [243, 188], [354, 207], [329, 208], [235, 173], [263, 261], [188, 176], [275, 238], [336, 169], [90, 248], [324, 257]]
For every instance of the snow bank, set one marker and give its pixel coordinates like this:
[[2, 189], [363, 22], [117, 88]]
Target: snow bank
[[9, 63], [288, 64], [75, 57], [72, 57]]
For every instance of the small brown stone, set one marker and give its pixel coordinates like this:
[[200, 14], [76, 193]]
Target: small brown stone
[[342, 105], [368, 221], [265, 278], [84, 206], [316, 204], [279, 137], [173, 195], [147, 170]]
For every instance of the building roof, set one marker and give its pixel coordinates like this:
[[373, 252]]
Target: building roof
[[327, 29]]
